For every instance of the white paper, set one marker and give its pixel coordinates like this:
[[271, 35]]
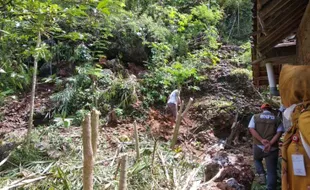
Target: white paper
[[298, 165]]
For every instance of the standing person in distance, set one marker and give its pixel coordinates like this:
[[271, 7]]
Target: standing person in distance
[[266, 129], [172, 104]]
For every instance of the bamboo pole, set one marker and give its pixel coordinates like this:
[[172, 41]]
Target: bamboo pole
[[136, 135], [88, 161], [178, 122], [123, 174], [94, 130], [177, 126]]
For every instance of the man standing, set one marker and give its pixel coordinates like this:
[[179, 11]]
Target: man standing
[[172, 104], [266, 129]]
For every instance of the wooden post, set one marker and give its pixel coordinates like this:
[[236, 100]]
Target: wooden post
[[178, 122], [233, 131], [136, 140], [303, 39], [88, 161], [94, 130], [123, 174]]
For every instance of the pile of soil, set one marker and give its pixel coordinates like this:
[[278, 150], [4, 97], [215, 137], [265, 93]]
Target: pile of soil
[[15, 112], [222, 96]]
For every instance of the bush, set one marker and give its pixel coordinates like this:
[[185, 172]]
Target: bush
[[242, 73]]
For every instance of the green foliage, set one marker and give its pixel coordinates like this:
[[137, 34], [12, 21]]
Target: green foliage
[[242, 73], [76, 94], [246, 57], [68, 23], [236, 26]]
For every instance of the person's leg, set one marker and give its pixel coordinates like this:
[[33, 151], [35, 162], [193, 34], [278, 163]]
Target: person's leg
[[272, 164], [173, 111], [258, 160]]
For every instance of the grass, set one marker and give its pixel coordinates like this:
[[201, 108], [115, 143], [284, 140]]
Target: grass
[[56, 154]]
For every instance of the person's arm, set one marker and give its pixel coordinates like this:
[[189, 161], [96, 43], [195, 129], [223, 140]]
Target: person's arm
[[258, 137], [254, 132], [275, 138]]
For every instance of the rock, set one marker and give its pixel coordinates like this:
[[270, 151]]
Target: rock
[[232, 182], [211, 170]]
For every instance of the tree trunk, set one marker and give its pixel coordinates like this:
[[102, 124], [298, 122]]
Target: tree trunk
[[33, 90], [94, 130], [88, 161], [123, 175], [303, 39]]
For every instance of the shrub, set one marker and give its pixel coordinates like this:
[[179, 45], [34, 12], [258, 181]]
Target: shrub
[[240, 73]]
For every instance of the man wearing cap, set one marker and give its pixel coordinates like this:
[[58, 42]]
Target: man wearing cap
[[266, 129]]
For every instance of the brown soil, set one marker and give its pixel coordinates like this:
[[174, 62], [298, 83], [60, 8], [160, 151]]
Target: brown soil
[[15, 113]]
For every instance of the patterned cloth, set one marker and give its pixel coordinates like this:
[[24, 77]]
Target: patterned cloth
[[294, 89]]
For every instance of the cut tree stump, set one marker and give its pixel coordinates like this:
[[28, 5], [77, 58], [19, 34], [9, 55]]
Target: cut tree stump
[[123, 174], [94, 130], [88, 161]]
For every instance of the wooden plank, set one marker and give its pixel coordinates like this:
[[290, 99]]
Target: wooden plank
[[280, 50], [290, 59], [266, 78], [272, 7], [285, 22], [255, 28], [280, 33], [303, 39], [263, 2], [290, 9]]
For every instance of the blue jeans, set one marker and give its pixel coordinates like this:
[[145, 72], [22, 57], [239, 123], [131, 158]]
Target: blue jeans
[[271, 159]]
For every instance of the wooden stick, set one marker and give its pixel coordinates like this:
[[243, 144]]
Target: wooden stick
[[117, 168], [233, 130], [116, 155], [153, 155], [23, 182], [136, 140], [178, 122], [188, 106], [164, 167], [4, 160], [88, 161], [33, 90], [214, 178], [123, 174], [94, 130], [177, 126], [192, 176]]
